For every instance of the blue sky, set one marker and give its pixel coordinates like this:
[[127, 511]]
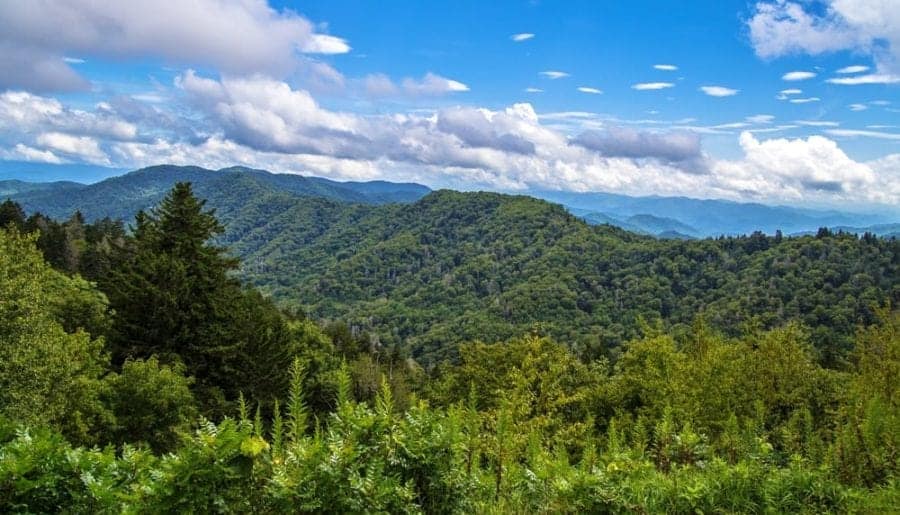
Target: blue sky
[[772, 100]]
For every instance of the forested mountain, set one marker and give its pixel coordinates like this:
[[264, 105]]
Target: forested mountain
[[456, 267], [164, 385], [123, 196]]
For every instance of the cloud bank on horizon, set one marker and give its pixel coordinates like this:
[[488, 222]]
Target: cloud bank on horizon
[[218, 83]]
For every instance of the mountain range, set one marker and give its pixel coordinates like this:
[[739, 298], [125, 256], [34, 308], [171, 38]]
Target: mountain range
[[429, 269], [665, 217]]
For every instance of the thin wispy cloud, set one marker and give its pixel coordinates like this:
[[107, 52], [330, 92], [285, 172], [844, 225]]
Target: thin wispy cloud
[[589, 90], [817, 123], [524, 36], [646, 86], [73, 60], [666, 67], [718, 91], [797, 76], [852, 133], [533, 90], [875, 78], [554, 74], [853, 69], [857, 107], [805, 100], [761, 118]]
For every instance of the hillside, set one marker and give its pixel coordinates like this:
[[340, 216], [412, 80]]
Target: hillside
[[456, 267], [121, 197]]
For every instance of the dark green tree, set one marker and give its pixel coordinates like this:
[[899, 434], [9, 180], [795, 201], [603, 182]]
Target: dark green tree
[[11, 213], [175, 298]]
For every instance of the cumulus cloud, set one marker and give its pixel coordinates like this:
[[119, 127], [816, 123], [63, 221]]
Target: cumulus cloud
[[241, 37], [797, 169], [796, 76], [871, 27], [84, 148], [264, 122], [671, 147], [718, 91], [644, 86], [21, 152], [26, 113]]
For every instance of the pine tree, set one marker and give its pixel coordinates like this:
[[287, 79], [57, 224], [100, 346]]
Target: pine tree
[[175, 298]]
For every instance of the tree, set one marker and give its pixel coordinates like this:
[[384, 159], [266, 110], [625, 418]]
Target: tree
[[11, 213], [174, 298], [49, 374]]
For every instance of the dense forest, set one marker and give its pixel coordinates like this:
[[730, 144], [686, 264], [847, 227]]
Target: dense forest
[[446, 268], [463, 353]]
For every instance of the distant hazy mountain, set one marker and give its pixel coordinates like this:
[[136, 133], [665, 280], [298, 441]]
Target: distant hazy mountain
[[705, 217], [123, 196]]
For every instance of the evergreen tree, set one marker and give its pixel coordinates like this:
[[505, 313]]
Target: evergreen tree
[[174, 298], [11, 213]]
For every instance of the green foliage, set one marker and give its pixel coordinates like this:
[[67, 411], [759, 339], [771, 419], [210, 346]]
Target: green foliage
[[739, 410], [48, 375], [152, 403], [174, 298]]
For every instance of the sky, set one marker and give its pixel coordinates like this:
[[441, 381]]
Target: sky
[[776, 101]]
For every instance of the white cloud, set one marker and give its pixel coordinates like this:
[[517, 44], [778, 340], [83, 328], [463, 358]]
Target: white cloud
[[82, 147], [875, 78], [880, 102], [24, 113], [243, 37], [643, 86], [853, 69], [589, 90], [761, 118], [380, 85], [870, 27], [797, 76], [805, 100], [850, 133], [524, 36], [858, 107], [799, 169], [554, 74], [267, 123], [433, 85], [73, 60], [817, 123], [792, 91], [718, 91], [533, 90], [666, 67], [23, 152]]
